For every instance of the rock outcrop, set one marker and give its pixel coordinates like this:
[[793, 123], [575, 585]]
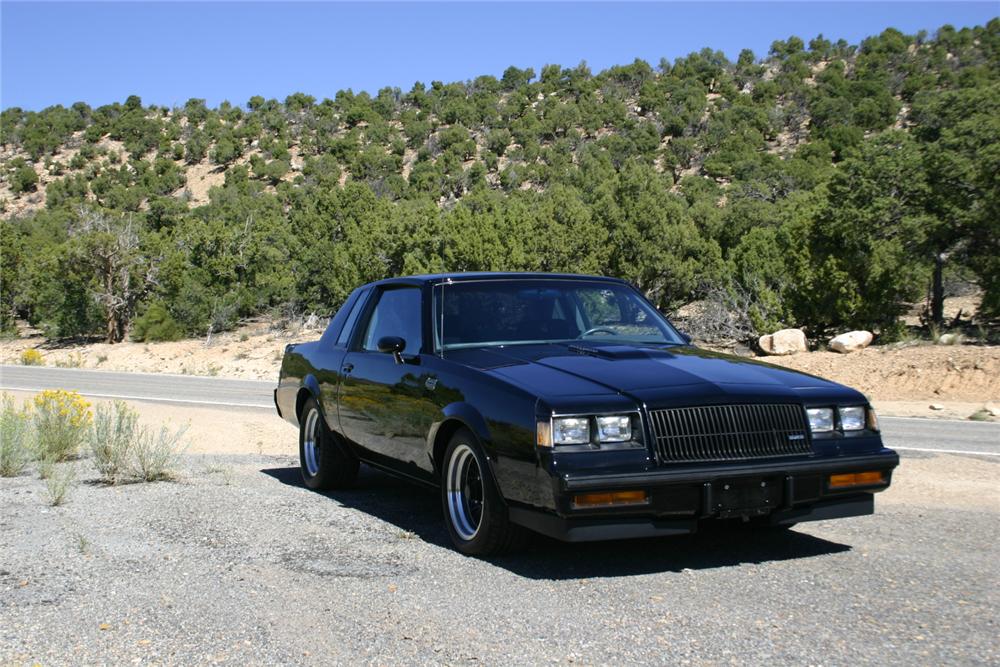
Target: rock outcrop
[[786, 341], [852, 341]]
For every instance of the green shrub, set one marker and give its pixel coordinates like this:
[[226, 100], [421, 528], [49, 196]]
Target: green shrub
[[23, 178], [156, 324], [112, 439], [154, 455], [15, 438], [980, 415]]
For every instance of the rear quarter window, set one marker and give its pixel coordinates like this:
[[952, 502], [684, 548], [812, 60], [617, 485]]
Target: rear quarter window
[[349, 321]]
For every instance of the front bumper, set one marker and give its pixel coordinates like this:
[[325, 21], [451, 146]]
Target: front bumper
[[778, 493]]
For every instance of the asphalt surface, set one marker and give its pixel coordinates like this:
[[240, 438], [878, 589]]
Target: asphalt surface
[[902, 433], [237, 563], [157, 387]]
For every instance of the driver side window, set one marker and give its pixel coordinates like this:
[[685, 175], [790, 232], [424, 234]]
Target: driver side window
[[397, 313]]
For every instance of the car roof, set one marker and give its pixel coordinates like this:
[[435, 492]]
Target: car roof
[[434, 278]]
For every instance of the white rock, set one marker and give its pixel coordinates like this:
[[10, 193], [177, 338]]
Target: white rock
[[936, 406], [786, 341], [852, 341], [994, 410]]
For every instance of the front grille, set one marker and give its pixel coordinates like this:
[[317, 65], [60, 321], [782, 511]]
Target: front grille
[[730, 432]]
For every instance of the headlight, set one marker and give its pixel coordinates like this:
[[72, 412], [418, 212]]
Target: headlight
[[587, 429], [852, 418], [571, 430], [617, 428], [820, 419]]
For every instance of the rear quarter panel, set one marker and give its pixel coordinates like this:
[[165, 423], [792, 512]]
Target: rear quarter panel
[[298, 370]]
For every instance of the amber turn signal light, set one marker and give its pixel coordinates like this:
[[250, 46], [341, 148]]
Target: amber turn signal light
[[543, 436], [610, 499], [855, 479]]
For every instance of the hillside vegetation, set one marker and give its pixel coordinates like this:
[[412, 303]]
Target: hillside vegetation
[[824, 185]]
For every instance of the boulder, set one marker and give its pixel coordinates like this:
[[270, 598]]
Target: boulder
[[852, 341], [786, 341]]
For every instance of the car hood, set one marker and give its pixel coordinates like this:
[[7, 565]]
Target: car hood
[[652, 375]]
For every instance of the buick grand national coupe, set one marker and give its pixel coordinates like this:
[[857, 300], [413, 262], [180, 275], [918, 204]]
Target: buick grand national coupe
[[569, 406]]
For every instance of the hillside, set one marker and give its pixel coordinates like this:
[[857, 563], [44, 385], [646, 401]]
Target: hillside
[[825, 185]]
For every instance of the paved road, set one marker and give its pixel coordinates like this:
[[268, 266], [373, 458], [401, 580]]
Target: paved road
[[905, 434], [157, 387]]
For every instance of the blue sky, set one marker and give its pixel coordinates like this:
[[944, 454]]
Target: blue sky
[[59, 53]]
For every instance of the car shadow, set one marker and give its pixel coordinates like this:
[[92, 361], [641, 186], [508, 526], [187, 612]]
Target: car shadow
[[416, 509], [411, 507]]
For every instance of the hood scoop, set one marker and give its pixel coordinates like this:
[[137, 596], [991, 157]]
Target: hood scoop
[[612, 351]]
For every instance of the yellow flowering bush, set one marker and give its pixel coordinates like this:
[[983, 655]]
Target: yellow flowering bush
[[32, 357], [61, 422]]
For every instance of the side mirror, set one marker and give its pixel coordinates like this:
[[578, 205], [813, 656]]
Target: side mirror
[[686, 337], [393, 345]]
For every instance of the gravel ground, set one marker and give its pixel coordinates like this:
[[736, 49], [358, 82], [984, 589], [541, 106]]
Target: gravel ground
[[237, 563]]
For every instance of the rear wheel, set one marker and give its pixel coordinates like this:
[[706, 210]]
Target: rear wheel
[[474, 511], [324, 460]]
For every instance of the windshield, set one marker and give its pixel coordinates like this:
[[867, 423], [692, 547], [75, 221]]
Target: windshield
[[519, 312]]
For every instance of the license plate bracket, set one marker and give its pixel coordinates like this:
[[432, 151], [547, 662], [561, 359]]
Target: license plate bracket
[[746, 497]]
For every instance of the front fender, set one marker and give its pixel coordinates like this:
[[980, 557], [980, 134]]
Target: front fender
[[470, 417]]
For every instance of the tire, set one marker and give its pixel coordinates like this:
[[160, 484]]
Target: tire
[[474, 511], [324, 460]]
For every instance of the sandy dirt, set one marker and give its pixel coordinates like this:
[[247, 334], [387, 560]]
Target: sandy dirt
[[253, 352], [201, 178], [969, 373], [943, 480]]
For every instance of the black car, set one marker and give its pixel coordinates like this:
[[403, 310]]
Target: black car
[[569, 406]]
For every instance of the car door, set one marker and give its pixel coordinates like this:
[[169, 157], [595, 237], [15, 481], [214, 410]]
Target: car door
[[384, 405], [330, 354]]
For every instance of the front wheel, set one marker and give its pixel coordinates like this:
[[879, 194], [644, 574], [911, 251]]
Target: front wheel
[[474, 511], [325, 462]]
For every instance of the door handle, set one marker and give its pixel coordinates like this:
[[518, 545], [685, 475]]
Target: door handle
[[347, 368]]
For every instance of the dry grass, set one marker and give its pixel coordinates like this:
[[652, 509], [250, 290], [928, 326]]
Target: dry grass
[[59, 480], [74, 360]]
